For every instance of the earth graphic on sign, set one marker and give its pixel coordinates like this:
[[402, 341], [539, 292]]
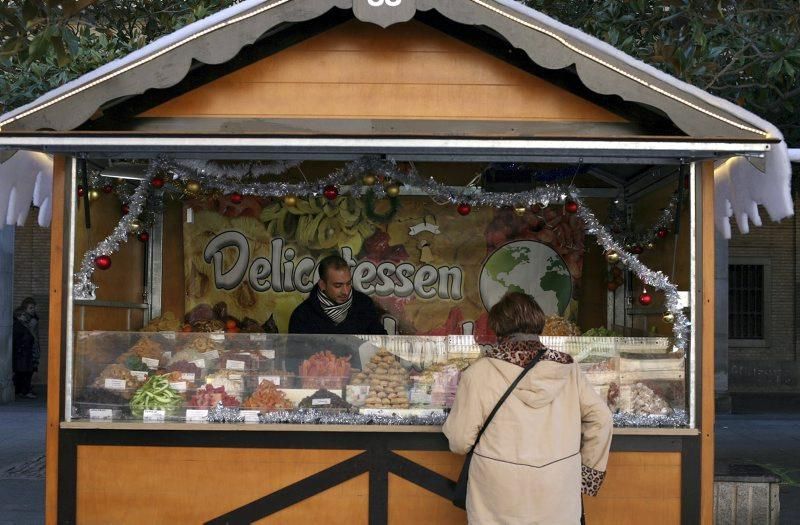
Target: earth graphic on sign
[[531, 267]]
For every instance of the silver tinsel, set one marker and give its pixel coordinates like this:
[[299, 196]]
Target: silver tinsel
[[223, 414], [621, 232], [83, 287], [678, 419], [202, 169], [344, 417]]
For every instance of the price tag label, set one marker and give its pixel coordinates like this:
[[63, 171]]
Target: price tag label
[[168, 335], [100, 414], [114, 384], [267, 354], [258, 337], [154, 416], [199, 363], [235, 377], [140, 375], [150, 362], [187, 376], [321, 401], [212, 354], [180, 386], [167, 355], [232, 364], [275, 380], [250, 416], [217, 337], [196, 415]]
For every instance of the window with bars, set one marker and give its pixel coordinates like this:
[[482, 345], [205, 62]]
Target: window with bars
[[746, 301]]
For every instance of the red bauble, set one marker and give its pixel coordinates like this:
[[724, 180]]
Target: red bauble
[[331, 192], [236, 198], [645, 299], [103, 262], [571, 207], [108, 188], [143, 236], [157, 182], [464, 208], [81, 191], [661, 233], [125, 209], [637, 249]]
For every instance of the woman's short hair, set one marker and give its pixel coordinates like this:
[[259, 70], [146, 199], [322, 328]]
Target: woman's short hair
[[516, 313]]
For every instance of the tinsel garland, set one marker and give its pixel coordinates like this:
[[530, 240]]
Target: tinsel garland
[[677, 419], [621, 232], [236, 170], [310, 416], [83, 287], [223, 414]]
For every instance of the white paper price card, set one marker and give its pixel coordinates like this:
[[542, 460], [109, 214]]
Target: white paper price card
[[217, 337], [179, 386], [212, 354], [250, 416], [167, 355], [140, 375], [232, 364], [275, 380], [187, 376], [258, 337], [267, 354], [199, 363], [100, 414], [150, 362], [114, 384], [168, 335], [196, 415], [235, 377], [321, 401], [153, 415]]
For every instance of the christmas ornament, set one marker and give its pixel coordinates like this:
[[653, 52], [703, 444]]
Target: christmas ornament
[[157, 182], [134, 226], [637, 249], [81, 191], [94, 195], [290, 200], [650, 246], [124, 209], [661, 233], [103, 262], [108, 188], [143, 236], [236, 198], [668, 318], [193, 186], [571, 207], [330, 192], [464, 208], [368, 179], [392, 190], [645, 298], [612, 257], [520, 210]]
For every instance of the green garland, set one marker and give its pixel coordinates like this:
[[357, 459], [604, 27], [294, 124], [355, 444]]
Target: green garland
[[369, 208]]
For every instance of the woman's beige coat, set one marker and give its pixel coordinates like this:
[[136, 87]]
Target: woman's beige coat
[[548, 442]]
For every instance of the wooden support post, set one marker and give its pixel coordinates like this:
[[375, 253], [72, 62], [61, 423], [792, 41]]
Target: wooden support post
[[707, 415]]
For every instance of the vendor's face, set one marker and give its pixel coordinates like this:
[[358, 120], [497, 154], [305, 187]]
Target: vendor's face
[[337, 284], [30, 309]]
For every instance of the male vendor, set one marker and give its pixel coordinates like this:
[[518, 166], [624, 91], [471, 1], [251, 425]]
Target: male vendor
[[333, 307]]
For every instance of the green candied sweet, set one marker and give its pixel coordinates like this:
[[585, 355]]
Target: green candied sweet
[[155, 394]]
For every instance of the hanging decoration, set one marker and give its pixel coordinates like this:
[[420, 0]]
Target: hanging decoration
[[331, 192], [103, 262], [638, 240], [645, 298], [143, 236], [464, 209], [571, 207], [236, 198]]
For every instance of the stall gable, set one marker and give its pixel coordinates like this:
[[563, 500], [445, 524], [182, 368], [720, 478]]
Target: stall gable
[[360, 71]]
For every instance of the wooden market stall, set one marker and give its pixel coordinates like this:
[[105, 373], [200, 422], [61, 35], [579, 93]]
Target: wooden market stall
[[435, 83]]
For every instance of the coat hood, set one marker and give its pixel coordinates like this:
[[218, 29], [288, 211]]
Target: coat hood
[[539, 386]]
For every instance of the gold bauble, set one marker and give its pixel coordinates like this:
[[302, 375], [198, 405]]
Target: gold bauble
[[94, 195], [392, 190], [193, 186], [612, 257], [520, 210], [650, 245], [290, 200], [135, 226], [668, 318], [368, 179]]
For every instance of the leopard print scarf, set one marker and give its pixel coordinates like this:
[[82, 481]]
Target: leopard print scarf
[[521, 350]]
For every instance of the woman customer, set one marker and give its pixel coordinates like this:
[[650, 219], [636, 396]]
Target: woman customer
[[25, 346], [548, 441]]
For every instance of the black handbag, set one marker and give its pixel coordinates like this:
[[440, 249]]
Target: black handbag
[[460, 490]]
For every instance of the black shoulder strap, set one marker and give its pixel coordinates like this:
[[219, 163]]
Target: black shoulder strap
[[508, 393]]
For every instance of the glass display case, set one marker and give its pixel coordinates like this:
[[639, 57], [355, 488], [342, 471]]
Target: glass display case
[[275, 378]]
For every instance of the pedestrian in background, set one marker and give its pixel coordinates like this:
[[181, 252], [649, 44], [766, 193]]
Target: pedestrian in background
[[549, 440], [25, 358]]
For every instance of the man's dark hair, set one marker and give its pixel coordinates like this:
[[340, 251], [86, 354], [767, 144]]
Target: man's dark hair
[[331, 261]]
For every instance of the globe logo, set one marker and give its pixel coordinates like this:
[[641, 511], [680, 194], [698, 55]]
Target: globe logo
[[530, 267]]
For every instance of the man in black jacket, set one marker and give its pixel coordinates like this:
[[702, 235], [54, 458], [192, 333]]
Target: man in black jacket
[[333, 307]]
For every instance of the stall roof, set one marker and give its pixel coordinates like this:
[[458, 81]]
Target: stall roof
[[548, 43]]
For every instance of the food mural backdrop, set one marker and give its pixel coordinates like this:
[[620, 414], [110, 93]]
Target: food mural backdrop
[[429, 268]]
